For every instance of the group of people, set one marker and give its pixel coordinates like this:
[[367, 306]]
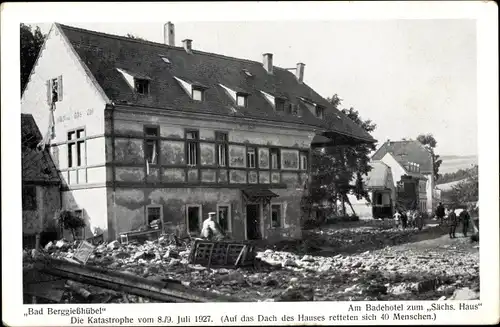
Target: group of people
[[408, 218], [453, 220]]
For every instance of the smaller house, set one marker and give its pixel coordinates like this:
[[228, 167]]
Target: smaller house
[[409, 184], [40, 183], [382, 190]]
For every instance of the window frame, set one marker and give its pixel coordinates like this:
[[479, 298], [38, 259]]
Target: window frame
[[278, 158], [200, 217], [278, 102], [305, 155], [73, 144], [224, 143], [319, 112], [195, 141], [198, 89], [146, 215], [146, 86], [229, 223], [155, 139], [245, 99], [281, 217], [255, 159]]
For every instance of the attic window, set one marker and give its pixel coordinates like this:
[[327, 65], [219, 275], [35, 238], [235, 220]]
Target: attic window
[[279, 104], [320, 112], [197, 94], [241, 100], [165, 59], [141, 85], [247, 73]]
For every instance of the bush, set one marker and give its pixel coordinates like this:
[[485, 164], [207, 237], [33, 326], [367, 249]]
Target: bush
[[69, 220]]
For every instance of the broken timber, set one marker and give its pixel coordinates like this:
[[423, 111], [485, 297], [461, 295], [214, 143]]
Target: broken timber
[[228, 254], [158, 290]]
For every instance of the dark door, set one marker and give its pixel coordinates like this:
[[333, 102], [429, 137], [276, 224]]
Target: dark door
[[253, 226]]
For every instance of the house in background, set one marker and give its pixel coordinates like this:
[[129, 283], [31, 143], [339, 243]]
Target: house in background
[[41, 197], [413, 161], [155, 134], [381, 189]]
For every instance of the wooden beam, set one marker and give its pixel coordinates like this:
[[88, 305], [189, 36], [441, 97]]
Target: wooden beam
[[163, 291]]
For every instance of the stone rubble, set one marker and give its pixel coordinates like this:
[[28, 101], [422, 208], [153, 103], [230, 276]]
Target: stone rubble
[[290, 275]]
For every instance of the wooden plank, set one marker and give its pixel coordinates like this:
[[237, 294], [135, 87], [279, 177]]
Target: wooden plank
[[210, 255], [117, 281]]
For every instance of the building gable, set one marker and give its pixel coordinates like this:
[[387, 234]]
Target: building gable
[[79, 96], [406, 151]]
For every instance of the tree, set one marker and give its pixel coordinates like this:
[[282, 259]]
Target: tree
[[334, 168], [69, 220], [430, 143], [31, 44], [467, 190]]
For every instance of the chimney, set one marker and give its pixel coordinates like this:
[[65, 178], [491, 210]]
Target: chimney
[[169, 34], [299, 72], [187, 45], [268, 62]]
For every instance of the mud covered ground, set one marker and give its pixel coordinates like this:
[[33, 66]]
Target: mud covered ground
[[366, 260]]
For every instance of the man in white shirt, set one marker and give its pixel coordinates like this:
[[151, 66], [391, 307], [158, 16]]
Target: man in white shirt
[[211, 229]]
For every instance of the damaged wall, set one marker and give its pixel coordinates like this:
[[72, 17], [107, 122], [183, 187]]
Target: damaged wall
[[48, 202], [129, 201]]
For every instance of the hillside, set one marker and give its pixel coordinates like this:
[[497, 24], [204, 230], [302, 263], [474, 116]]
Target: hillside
[[453, 163]]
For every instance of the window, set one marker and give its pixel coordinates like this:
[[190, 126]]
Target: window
[[275, 215], [303, 160], [320, 111], [193, 214], [154, 216], [151, 135], [251, 157], [293, 109], [279, 104], [275, 158], [241, 100], [197, 94], [29, 197], [224, 217], [76, 148], [141, 85], [221, 140], [54, 90], [192, 147]]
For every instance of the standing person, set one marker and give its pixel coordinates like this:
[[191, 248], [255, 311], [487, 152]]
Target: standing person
[[452, 219], [211, 229], [440, 213], [465, 218]]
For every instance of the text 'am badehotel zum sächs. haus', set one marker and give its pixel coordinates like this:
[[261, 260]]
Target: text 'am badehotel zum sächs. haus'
[[144, 131]]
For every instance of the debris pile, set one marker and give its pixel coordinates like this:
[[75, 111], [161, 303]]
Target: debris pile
[[428, 270]]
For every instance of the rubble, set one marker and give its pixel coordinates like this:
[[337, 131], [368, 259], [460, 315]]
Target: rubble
[[410, 271]]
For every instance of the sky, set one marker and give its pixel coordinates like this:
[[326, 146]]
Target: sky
[[407, 76]]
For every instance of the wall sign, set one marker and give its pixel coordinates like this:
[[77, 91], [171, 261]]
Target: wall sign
[[75, 115]]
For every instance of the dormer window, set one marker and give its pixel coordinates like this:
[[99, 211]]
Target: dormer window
[[320, 112], [241, 100], [279, 104], [141, 85], [197, 94]]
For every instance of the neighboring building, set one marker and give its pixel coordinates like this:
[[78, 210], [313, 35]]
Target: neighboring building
[[381, 189], [147, 131], [40, 183], [417, 159]]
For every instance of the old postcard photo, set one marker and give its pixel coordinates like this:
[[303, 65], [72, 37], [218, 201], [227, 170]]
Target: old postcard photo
[[256, 164]]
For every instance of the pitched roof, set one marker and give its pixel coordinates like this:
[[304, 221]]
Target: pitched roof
[[37, 166], [378, 177], [104, 53], [406, 151]]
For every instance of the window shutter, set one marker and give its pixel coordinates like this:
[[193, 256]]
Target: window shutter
[[60, 88], [49, 91]]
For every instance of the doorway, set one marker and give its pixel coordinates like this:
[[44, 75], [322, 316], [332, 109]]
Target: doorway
[[253, 222]]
